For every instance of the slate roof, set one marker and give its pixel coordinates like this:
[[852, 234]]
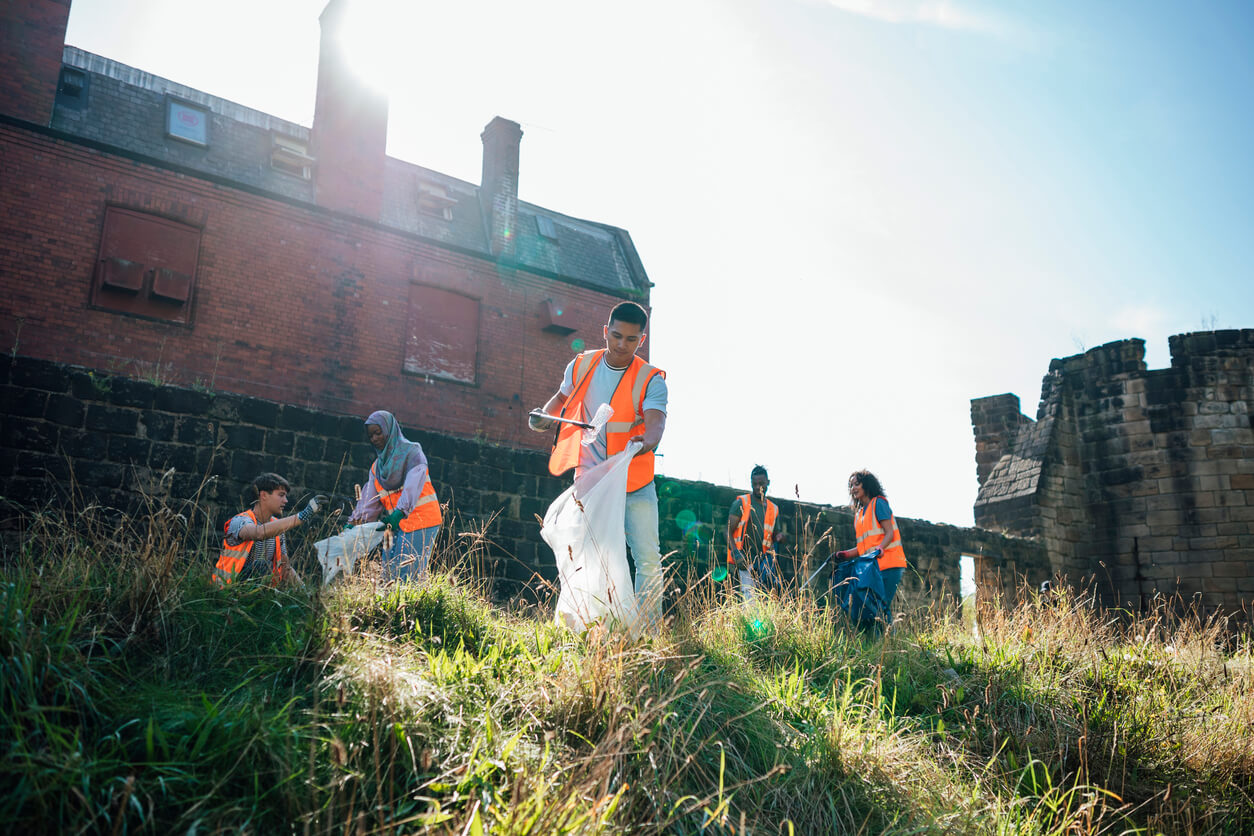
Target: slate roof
[[125, 108]]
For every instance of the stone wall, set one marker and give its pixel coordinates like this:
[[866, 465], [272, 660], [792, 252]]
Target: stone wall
[[1142, 480], [112, 439]]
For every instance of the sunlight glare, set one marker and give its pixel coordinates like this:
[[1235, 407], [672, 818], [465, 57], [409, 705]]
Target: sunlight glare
[[377, 39]]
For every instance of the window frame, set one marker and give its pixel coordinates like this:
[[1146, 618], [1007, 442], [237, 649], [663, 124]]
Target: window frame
[[428, 374], [172, 101]]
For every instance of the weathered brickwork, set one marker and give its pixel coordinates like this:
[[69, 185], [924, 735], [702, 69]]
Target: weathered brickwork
[[292, 303], [118, 438], [1142, 480], [301, 290], [32, 33]]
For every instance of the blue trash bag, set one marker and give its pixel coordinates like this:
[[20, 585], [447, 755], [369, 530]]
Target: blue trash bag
[[859, 589]]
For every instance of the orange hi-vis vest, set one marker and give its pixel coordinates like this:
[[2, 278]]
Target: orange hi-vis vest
[[426, 511], [768, 528], [231, 560], [869, 532], [626, 423]]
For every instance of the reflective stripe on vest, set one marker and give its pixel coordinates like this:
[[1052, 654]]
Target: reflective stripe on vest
[[626, 421], [426, 511], [768, 527], [869, 533], [231, 559]]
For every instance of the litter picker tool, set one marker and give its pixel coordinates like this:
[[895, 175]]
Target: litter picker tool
[[590, 429], [535, 413], [816, 572]]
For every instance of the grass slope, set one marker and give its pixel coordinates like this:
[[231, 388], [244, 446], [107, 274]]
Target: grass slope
[[137, 697]]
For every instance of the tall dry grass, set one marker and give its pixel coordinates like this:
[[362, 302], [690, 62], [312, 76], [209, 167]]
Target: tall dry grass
[[137, 697]]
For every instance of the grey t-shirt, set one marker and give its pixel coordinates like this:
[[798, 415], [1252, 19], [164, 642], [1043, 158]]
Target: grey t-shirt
[[600, 390]]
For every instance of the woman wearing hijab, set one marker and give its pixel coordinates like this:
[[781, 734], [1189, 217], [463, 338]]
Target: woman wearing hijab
[[399, 493]]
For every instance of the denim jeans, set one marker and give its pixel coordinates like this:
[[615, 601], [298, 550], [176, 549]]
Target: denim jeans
[[891, 578], [407, 559], [750, 577], [642, 538]]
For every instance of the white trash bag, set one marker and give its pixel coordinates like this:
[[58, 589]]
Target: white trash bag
[[584, 527], [340, 552]]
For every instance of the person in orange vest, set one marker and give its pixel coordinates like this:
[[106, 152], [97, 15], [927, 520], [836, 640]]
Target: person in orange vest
[[876, 528], [751, 526], [255, 546], [399, 494], [636, 391]]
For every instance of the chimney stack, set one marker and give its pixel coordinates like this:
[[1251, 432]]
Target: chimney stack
[[32, 41], [498, 192], [350, 126]]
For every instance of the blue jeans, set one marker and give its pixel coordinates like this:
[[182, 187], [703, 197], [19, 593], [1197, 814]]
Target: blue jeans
[[891, 578], [407, 559], [642, 538]]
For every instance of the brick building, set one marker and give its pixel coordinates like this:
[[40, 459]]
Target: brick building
[[1142, 480], [159, 232]]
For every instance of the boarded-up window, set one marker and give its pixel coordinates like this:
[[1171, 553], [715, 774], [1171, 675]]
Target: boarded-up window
[[146, 266], [443, 334]]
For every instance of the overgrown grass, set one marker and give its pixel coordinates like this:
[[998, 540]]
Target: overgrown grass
[[137, 697]]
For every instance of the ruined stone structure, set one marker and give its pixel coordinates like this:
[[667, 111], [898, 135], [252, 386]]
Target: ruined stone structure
[[157, 231], [1140, 481]]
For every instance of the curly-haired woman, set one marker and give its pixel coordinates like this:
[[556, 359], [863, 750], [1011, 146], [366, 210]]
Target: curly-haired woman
[[876, 528]]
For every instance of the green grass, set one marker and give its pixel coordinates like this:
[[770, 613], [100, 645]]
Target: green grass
[[135, 697]]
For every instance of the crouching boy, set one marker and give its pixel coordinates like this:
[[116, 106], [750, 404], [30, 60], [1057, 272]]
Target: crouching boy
[[255, 546]]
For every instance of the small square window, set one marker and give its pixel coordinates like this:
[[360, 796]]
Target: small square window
[[291, 156], [546, 227], [434, 199], [72, 88], [186, 122]]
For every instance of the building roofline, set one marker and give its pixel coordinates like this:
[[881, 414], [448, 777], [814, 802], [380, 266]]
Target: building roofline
[[226, 182], [98, 64]]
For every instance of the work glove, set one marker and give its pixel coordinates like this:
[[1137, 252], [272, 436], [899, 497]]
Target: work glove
[[306, 514], [539, 423], [392, 520]]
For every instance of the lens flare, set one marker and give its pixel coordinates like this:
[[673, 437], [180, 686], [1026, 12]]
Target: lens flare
[[685, 519], [577, 344]]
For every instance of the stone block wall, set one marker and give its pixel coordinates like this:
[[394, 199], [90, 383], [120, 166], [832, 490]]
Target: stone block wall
[[1144, 479], [111, 439]]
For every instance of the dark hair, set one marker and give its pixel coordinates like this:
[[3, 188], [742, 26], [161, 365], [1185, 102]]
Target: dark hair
[[629, 312], [269, 482], [757, 468], [870, 485]]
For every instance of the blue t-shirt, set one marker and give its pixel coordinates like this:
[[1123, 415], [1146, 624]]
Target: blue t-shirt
[[882, 511]]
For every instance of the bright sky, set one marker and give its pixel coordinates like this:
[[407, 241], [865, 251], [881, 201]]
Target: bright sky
[[858, 214]]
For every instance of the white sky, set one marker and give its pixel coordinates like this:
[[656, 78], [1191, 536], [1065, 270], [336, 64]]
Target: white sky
[[858, 214]]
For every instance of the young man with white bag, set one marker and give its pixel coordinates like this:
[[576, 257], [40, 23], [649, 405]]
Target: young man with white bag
[[636, 395]]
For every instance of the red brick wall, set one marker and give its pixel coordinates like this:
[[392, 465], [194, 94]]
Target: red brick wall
[[291, 303], [32, 33]]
